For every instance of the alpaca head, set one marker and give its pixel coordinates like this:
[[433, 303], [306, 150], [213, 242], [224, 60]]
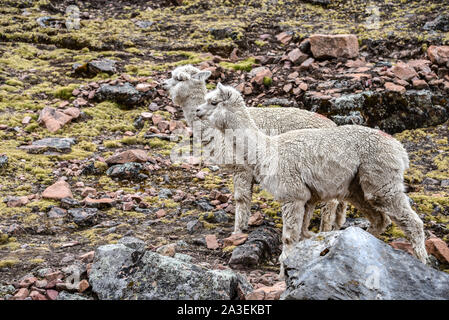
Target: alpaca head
[[184, 81], [224, 108]]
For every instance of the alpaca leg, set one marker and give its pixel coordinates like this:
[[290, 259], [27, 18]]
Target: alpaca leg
[[340, 215], [305, 233], [243, 184], [377, 218], [399, 210], [292, 220], [328, 213]]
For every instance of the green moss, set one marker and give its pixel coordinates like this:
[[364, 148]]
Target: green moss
[[267, 81], [65, 92], [7, 263], [245, 65], [14, 83]]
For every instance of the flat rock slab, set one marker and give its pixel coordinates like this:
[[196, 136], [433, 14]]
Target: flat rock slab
[[354, 265], [63, 145], [127, 271], [125, 94]]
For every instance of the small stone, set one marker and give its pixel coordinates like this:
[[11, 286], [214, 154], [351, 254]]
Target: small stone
[[438, 54], [211, 242], [52, 294], [194, 226], [83, 285], [25, 283], [87, 257], [99, 203], [26, 120], [56, 213], [438, 248], [287, 87], [35, 295], [235, 239], [160, 213], [256, 219], [88, 191], [41, 284], [420, 84], [390, 86], [403, 71], [168, 250], [58, 190], [296, 56], [133, 155], [285, 37], [21, 294]]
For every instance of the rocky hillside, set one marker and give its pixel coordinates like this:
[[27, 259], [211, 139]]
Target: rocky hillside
[[85, 126]]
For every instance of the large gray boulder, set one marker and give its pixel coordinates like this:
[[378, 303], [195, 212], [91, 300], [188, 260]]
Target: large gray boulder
[[127, 271], [353, 264]]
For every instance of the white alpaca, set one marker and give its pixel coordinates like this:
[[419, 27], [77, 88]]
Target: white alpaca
[[187, 88], [361, 165]]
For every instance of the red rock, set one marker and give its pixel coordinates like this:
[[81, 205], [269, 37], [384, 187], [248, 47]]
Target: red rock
[[63, 104], [58, 190], [163, 125], [88, 191], [21, 294], [261, 74], [389, 86], [404, 71], [235, 239], [211, 242], [296, 56], [307, 64], [128, 206], [439, 54], [80, 102], [17, 201], [256, 219], [143, 87], [420, 84], [25, 283], [72, 112], [35, 295], [52, 294], [133, 155], [334, 46], [284, 37], [41, 284], [160, 213], [287, 87], [233, 56], [52, 276], [102, 202], [248, 90], [420, 65], [403, 245], [439, 249], [355, 63], [53, 119], [83, 285], [268, 293], [240, 87], [87, 257], [156, 119], [303, 86]]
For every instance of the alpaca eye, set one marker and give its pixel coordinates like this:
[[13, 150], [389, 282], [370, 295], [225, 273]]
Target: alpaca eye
[[214, 103]]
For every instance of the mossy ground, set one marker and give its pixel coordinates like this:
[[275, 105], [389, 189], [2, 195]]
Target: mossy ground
[[36, 71]]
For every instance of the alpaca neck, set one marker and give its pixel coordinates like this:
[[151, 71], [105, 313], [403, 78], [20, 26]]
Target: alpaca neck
[[190, 104]]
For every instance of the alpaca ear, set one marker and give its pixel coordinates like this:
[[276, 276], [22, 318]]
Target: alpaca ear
[[182, 76], [220, 87], [202, 76]]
